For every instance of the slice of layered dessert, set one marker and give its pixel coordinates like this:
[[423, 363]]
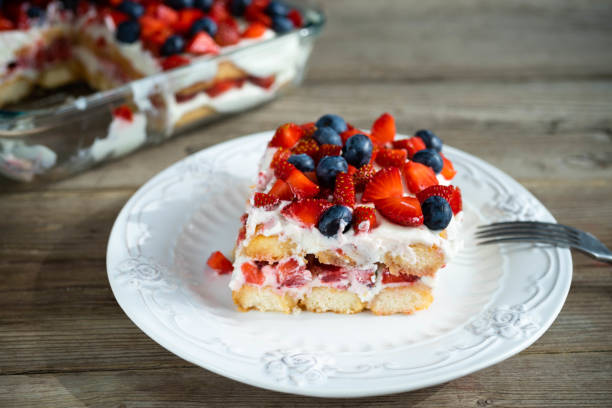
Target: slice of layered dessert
[[343, 220]]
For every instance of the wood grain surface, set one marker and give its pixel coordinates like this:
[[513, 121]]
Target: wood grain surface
[[525, 85]]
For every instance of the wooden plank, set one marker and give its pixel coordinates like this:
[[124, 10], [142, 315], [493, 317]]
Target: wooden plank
[[440, 40], [521, 381]]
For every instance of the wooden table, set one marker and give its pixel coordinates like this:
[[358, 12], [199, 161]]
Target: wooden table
[[525, 85]]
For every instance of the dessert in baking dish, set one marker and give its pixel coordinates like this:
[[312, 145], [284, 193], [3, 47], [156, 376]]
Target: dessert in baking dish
[[112, 42], [343, 220]]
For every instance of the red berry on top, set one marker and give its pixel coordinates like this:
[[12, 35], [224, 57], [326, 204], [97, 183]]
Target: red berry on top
[[301, 186], [448, 171], [391, 157], [254, 30], [202, 43], [124, 112], [227, 34], [281, 190], [344, 190], [218, 262], [328, 150], [452, 194], [286, 135], [419, 176], [351, 131], [307, 145], [306, 211], [308, 128], [265, 201], [411, 145], [383, 129], [363, 176], [280, 155], [296, 18], [385, 183], [283, 170], [404, 211], [364, 219]]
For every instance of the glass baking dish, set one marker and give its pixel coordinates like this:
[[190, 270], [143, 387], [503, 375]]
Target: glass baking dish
[[78, 132]]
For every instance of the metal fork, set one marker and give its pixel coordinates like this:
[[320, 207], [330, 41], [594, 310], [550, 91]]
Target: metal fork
[[546, 233]]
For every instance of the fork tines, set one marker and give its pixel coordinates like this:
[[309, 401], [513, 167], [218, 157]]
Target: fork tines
[[527, 231]]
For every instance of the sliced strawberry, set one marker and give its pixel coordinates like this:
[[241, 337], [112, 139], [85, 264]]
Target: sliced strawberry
[[351, 170], [227, 34], [401, 210], [202, 43], [391, 157], [219, 12], [281, 190], [363, 176], [124, 112], [283, 170], [364, 219], [218, 262], [452, 194], [419, 176], [312, 176], [411, 145], [308, 128], [375, 150], [266, 201], [118, 17], [296, 18], [280, 155], [186, 18], [174, 61], [306, 211], [292, 275], [328, 150], [242, 230], [383, 129], [351, 131], [263, 82], [401, 278], [6, 24], [308, 146], [258, 16], [223, 86], [344, 190], [252, 274], [163, 13], [286, 135], [301, 186], [150, 25], [385, 183], [448, 171], [254, 30]]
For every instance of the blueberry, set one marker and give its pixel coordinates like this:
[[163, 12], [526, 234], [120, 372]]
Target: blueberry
[[429, 157], [327, 169], [128, 31], [203, 24], [173, 45], [179, 4], [325, 135], [131, 8], [203, 5], [430, 139], [35, 12], [333, 219], [333, 121], [303, 162], [277, 8], [237, 7], [357, 150], [437, 213], [282, 24]]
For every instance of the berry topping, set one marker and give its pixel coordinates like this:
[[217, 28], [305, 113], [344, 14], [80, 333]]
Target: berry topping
[[124, 112], [419, 176], [179, 4], [237, 7], [451, 194], [332, 121], [35, 12], [131, 8], [334, 219], [128, 32], [205, 24], [429, 157], [306, 211], [173, 45], [218, 262], [364, 219], [430, 139], [383, 129], [327, 135], [163, 13], [327, 169], [448, 171], [254, 30], [328, 150], [263, 82], [391, 157], [280, 155], [363, 176], [291, 274], [277, 8], [174, 61], [344, 191], [401, 278], [309, 128], [301, 186], [303, 162], [283, 169], [286, 135], [227, 34], [296, 18], [267, 201], [351, 131], [308, 146], [281, 190], [252, 274], [386, 183], [437, 212], [411, 145], [202, 43], [203, 5], [357, 150], [401, 210]]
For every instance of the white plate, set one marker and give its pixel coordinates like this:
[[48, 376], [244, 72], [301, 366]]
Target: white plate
[[490, 303]]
